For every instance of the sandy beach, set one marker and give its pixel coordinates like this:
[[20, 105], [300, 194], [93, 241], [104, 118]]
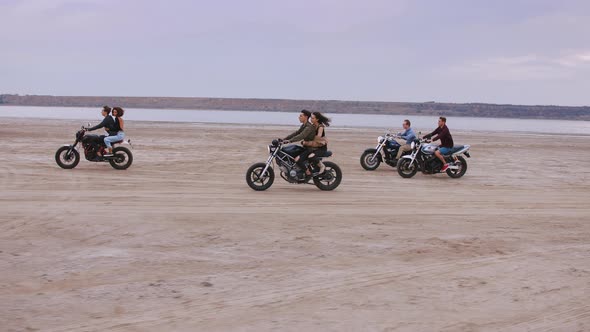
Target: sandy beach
[[179, 242]]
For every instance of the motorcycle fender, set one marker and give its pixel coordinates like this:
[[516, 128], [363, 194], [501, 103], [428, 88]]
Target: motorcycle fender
[[406, 157]]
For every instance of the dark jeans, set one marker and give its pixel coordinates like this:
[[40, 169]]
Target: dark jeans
[[305, 155]]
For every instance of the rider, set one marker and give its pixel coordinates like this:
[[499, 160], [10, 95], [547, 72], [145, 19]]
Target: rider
[[108, 123], [306, 132], [446, 141], [405, 139]]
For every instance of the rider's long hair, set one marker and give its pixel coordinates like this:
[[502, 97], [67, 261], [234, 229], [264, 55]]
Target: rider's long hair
[[322, 119], [120, 111]]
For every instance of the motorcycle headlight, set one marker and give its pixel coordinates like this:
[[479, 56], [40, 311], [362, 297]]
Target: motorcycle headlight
[[413, 145], [379, 139]]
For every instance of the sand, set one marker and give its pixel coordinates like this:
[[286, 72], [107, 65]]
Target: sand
[[179, 242]]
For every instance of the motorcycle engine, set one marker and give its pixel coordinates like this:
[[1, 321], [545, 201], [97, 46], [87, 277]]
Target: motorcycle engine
[[283, 169]]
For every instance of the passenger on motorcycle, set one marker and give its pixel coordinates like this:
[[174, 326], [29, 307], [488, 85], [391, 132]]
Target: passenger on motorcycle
[[405, 139], [108, 123], [446, 141], [318, 146], [119, 134]]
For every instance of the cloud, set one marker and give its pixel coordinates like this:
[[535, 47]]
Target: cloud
[[575, 60], [523, 67]]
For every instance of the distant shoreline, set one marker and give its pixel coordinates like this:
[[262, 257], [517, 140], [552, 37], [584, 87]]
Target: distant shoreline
[[430, 108]]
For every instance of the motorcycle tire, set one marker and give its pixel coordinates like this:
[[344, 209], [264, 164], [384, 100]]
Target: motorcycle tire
[[405, 170], [330, 179], [462, 163], [67, 160], [122, 158], [254, 179], [368, 162]]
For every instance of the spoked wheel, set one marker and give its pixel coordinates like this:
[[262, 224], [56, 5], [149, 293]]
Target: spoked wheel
[[67, 157], [122, 158], [369, 160], [461, 164], [330, 179], [258, 181], [405, 170]]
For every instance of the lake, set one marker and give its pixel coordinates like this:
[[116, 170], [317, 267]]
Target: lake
[[92, 114]]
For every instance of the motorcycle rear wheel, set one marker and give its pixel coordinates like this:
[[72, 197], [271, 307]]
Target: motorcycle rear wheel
[[258, 181], [67, 159], [330, 179], [405, 170], [457, 173], [122, 158]]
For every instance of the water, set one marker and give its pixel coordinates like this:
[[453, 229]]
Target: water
[[92, 114]]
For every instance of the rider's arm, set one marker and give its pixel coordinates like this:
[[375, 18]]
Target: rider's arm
[[100, 125], [410, 136], [295, 133], [307, 131], [320, 131], [436, 131], [403, 135]]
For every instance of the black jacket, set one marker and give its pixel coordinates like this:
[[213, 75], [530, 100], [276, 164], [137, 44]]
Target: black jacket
[[107, 123]]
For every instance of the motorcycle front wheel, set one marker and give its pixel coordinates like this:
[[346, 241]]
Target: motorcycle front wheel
[[331, 177], [122, 158], [67, 157], [461, 163], [405, 170], [258, 181], [369, 161]]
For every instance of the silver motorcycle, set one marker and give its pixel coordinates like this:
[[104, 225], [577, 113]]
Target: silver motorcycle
[[423, 159]]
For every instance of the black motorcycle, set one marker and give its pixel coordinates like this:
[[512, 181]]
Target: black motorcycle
[[68, 156], [325, 175]]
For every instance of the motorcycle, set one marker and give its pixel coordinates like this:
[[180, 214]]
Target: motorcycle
[[68, 156], [385, 151], [423, 158], [325, 175]]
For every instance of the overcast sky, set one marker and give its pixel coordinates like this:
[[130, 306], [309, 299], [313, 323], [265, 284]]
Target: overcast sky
[[496, 51]]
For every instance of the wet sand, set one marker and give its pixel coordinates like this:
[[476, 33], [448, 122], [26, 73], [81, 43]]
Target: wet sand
[[179, 242]]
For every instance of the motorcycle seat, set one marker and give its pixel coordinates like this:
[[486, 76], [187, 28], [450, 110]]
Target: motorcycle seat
[[455, 149], [323, 154]]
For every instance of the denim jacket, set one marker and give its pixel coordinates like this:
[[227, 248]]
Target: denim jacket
[[408, 135]]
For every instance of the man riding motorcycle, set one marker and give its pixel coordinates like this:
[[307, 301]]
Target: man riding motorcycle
[[446, 141], [305, 133], [108, 123]]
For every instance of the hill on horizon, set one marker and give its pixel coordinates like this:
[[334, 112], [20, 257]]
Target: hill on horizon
[[430, 108]]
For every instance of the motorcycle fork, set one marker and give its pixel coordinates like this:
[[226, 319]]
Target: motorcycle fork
[[72, 147], [269, 161], [378, 148]]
